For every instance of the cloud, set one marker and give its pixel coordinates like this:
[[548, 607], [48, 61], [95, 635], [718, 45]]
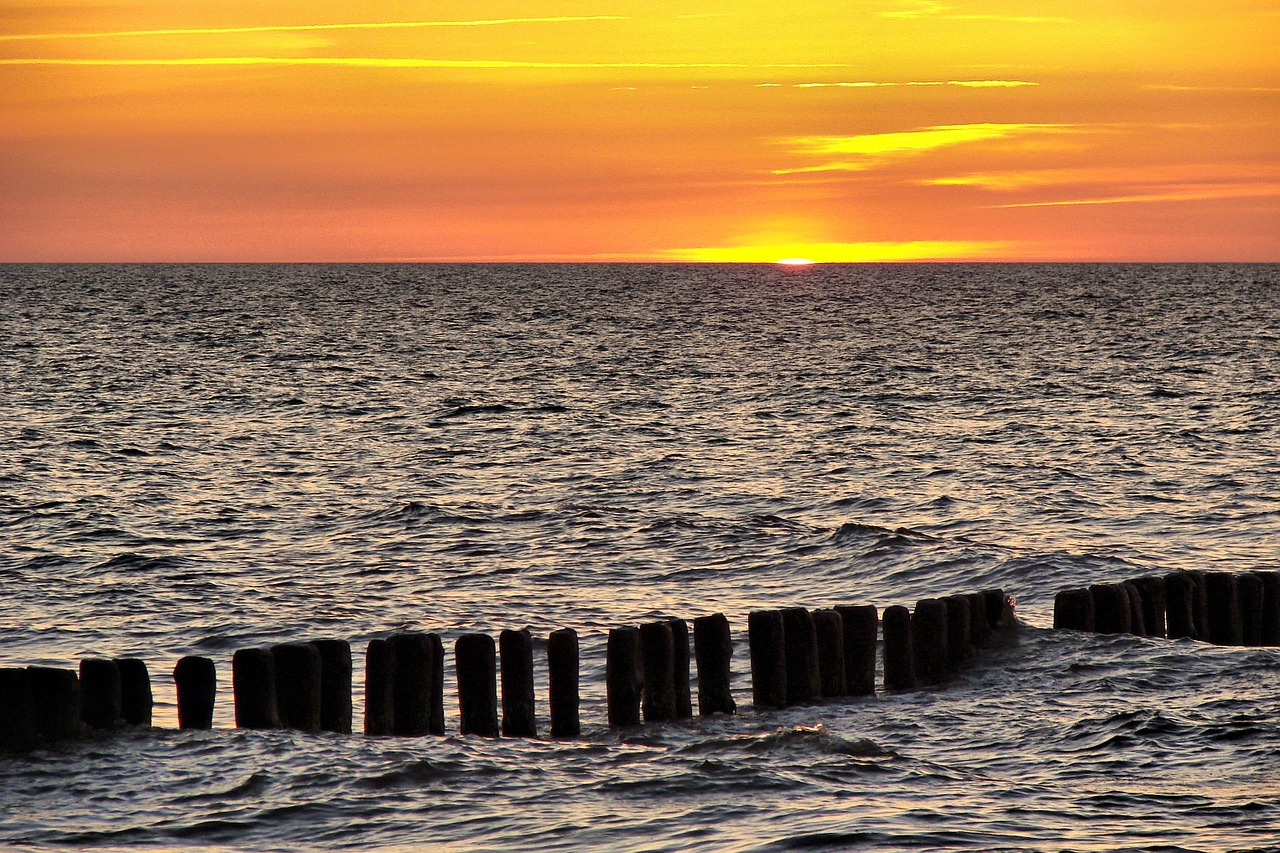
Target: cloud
[[858, 153], [389, 62], [869, 84], [930, 9], [1172, 194], [282, 28]]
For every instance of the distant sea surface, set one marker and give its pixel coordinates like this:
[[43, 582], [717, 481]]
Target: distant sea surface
[[196, 459]]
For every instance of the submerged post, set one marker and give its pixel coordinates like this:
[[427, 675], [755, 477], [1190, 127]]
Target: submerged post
[[765, 637], [858, 623], [562, 678], [828, 630], [335, 685], [899, 656], [657, 654], [958, 631], [99, 693], [253, 686], [136, 700], [979, 626], [17, 710], [624, 682], [713, 649], [197, 682], [475, 659], [515, 649]]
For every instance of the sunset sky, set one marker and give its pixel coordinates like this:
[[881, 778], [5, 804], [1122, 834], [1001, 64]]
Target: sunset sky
[[718, 130]]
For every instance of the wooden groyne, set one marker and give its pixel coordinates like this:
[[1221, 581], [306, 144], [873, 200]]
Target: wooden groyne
[[798, 656], [1223, 608]]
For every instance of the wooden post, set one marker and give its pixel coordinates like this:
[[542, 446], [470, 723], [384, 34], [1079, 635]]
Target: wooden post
[[1111, 612], [1249, 585], [55, 702], [1180, 606], [768, 659], [335, 685], [197, 682], [379, 688], [680, 667], [1073, 610], [1270, 608], [899, 656], [995, 607], [562, 678], [657, 654], [415, 667], [1201, 604], [17, 710], [979, 625], [859, 624], [475, 659], [1137, 624], [958, 631], [297, 685], [435, 689], [136, 700], [253, 685], [1151, 590], [713, 649], [1223, 600], [929, 640], [624, 682], [99, 693], [800, 640], [828, 630], [515, 649]]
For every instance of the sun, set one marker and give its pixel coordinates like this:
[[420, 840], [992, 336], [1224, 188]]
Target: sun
[[795, 262]]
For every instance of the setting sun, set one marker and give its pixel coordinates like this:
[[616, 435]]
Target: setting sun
[[795, 262]]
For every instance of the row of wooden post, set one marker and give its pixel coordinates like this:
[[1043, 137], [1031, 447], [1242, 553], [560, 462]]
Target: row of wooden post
[[1224, 608]]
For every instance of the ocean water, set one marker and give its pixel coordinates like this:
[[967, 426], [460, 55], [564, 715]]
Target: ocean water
[[195, 459]]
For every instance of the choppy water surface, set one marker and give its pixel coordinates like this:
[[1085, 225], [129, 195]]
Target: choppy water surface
[[196, 459]]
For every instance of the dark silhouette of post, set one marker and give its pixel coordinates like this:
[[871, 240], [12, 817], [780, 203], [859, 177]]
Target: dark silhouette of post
[[136, 700], [680, 667], [828, 630], [995, 607], [515, 649], [415, 668], [1151, 592], [979, 624], [475, 659], [1249, 587], [1111, 614], [99, 693], [958, 631], [435, 690], [253, 686], [562, 678], [929, 640], [379, 688], [1137, 624], [1201, 604], [1223, 601], [858, 623], [1270, 608], [196, 679], [767, 642], [1180, 606], [899, 656], [55, 698], [297, 685], [624, 679], [713, 649], [657, 653], [335, 685], [1073, 610], [800, 640], [17, 710]]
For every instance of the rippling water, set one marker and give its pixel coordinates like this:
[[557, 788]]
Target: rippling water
[[197, 459]]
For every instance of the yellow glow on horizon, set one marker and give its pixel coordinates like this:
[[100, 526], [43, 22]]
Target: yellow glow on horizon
[[841, 253]]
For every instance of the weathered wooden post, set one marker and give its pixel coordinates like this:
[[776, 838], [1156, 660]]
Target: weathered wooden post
[[995, 607], [624, 682], [99, 693], [297, 668], [1270, 608], [136, 700], [765, 636], [55, 696], [713, 650], [1151, 591], [1111, 612], [475, 659], [1137, 624], [1249, 585], [899, 656], [656, 655], [1200, 604], [253, 686], [379, 688], [958, 631], [1073, 610], [979, 625], [415, 668], [1223, 600], [800, 641], [435, 690], [17, 710], [515, 650], [197, 684], [1180, 606], [562, 678], [828, 628], [335, 685], [929, 640], [859, 623], [680, 667]]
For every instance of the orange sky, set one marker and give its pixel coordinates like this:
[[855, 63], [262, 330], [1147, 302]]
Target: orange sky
[[155, 130]]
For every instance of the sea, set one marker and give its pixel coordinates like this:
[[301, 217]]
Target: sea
[[198, 459]]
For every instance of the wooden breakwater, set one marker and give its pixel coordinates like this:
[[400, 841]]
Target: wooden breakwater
[[1223, 608], [797, 657]]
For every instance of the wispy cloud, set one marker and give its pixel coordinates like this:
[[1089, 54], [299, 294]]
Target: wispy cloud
[[1172, 194], [871, 84], [285, 28], [1136, 178], [858, 153], [1172, 87], [931, 9], [391, 62]]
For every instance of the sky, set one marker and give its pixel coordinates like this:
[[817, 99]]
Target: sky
[[639, 130]]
